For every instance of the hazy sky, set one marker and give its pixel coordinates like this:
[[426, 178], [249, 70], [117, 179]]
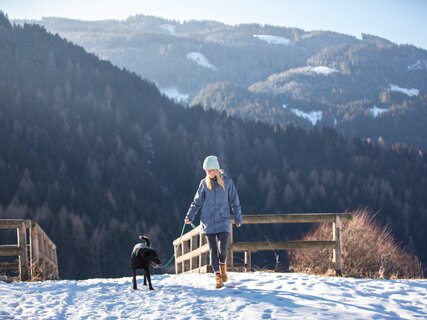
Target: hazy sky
[[401, 21]]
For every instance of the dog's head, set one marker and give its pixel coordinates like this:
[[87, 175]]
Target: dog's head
[[149, 255]]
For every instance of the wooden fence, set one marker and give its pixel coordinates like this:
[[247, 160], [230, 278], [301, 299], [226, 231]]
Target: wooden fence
[[35, 251], [192, 250]]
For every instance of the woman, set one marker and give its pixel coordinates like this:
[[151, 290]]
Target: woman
[[215, 198]]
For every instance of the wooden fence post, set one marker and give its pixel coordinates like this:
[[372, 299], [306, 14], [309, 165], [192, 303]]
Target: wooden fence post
[[248, 261], [56, 268], [176, 248], [24, 273], [337, 251], [34, 249]]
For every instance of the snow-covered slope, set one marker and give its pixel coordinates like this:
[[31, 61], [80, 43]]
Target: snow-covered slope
[[192, 296]]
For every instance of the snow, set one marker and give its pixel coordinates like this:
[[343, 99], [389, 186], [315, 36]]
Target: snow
[[192, 296], [375, 111], [408, 92], [312, 116], [323, 70], [273, 39], [168, 27], [174, 94], [318, 70], [200, 59]]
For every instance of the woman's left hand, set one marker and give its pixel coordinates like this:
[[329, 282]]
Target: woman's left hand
[[238, 225]]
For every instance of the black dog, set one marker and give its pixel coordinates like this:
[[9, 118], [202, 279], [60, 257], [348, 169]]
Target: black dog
[[141, 258]]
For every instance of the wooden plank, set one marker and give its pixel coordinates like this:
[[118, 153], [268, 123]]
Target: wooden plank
[[187, 236], [277, 218], [202, 269], [281, 245], [46, 258], [200, 254], [337, 252], [248, 261], [34, 249], [24, 269], [191, 254], [56, 271], [191, 250], [9, 265], [48, 239], [13, 223], [176, 254], [9, 250], [293, 218]]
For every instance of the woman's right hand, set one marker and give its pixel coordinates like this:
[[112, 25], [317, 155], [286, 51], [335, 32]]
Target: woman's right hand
[[187, 221]]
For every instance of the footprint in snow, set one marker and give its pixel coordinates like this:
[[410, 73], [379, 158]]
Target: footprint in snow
[[267, 314]]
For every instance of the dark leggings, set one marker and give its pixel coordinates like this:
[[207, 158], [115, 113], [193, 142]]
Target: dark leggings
[[217, 249]]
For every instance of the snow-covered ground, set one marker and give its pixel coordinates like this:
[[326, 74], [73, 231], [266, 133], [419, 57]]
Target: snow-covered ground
[[192, 296]]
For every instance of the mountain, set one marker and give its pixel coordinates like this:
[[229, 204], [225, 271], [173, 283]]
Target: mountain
[[98, 156], [255, 295], [368, 87]]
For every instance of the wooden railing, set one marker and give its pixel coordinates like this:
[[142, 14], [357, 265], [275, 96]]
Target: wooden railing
[[192, 251], [35, 251]]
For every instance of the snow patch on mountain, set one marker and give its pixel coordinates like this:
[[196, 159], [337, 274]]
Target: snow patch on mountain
[[200, 59], [323, 70], [375, 111], [174, 94], [313, 116], [273, 39], [408, 92]]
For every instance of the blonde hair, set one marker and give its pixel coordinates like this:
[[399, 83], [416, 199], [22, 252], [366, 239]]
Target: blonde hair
[[219, 179]]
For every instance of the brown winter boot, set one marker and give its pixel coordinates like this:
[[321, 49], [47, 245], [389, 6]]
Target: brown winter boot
[[218, 281], [223, 270]]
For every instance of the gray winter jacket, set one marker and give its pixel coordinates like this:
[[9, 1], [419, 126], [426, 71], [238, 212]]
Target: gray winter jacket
[[216, 206]]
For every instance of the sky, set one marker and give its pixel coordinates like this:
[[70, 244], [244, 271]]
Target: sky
[[254, 295], [401, 21]]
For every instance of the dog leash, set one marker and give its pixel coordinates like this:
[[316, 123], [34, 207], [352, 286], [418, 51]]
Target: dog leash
[[173, 255]]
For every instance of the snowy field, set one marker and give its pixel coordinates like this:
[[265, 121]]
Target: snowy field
[[192, 296]]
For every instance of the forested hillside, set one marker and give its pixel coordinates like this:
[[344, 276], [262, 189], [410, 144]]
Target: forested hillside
[[97, 156], [363, 86]]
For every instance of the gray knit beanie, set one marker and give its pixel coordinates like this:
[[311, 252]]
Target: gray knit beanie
[[211, 163]]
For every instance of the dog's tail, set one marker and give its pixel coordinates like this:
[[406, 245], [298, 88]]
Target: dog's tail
[[146, 239]]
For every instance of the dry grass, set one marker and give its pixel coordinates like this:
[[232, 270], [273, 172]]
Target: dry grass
[[369, 251], [37, 272]]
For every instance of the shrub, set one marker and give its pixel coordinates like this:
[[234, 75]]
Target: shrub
[[368, 251]]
